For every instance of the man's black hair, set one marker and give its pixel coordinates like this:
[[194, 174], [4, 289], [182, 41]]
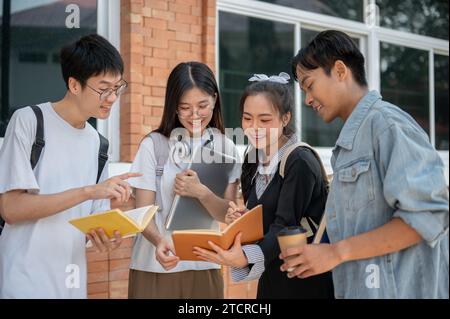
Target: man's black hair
[[325, 49], [90, 56]]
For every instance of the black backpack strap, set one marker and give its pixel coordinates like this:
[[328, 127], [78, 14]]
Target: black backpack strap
[[306, 222], [39, 141], [102, 155]]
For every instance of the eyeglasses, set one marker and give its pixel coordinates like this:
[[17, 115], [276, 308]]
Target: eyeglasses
[[202, 111], [104, 94]]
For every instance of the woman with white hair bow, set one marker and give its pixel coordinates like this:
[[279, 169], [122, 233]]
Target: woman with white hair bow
[[299, 195]]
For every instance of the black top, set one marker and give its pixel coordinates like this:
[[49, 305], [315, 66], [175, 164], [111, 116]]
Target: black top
[[285, 201]]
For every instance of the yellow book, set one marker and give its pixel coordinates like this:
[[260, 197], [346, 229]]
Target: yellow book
[[128, 223]]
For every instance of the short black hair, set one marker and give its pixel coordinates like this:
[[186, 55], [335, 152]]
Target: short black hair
[[328, 47], [90, 56]]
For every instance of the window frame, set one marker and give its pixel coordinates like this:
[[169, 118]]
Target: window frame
[[108, 26], [108, 13], [370, 39]]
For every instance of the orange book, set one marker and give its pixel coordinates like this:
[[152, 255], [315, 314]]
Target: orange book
[[250, 224]]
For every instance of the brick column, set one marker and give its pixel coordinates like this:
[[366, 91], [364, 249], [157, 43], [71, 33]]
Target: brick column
[[156, 35], [132, 50]]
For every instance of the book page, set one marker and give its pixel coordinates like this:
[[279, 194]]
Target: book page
[[138, 214], [198, 231]]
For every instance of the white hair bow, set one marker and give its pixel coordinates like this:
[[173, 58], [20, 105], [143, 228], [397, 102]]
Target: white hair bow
[[282, 78]]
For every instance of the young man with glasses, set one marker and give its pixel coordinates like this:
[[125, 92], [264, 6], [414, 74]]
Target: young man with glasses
[[41, 254]]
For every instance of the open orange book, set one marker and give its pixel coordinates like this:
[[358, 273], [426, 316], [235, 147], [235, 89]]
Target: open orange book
[[128, 223], [250, 224]]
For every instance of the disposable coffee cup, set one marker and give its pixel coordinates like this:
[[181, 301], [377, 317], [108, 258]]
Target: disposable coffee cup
[[289, 237]]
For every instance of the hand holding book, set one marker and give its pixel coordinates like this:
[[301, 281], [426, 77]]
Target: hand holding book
[[233, 257], [98, 239], [249, 224]]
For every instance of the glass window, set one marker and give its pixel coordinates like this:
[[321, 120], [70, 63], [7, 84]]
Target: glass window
[[405, 80], [441, 101], [247, 46], [425, 17], [347, 9], [37, 33]]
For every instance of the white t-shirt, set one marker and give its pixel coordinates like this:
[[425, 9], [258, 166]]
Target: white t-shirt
[[46, 258], [143, 257]]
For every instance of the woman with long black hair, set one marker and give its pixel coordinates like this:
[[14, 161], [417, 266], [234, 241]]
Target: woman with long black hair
[[267, 107], [192, 105]]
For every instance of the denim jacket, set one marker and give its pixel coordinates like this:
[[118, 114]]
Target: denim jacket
[[385, 167]]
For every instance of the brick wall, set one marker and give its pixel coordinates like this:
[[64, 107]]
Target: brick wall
[[108, 272], [156, 35], [108, 276]]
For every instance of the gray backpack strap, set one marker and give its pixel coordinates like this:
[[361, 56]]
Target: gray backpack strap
[[320, 229], [161, 147]]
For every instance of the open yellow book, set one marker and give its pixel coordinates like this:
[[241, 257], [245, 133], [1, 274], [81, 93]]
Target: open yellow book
[[128, 223], [250, 224]]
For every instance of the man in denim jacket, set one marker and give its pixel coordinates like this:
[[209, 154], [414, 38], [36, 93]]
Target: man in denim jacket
[[387, 211]]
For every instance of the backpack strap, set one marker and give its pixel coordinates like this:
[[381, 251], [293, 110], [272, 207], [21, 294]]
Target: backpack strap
[[316, 155], [39, 141], [102, 155], [306, 222], [161, 147]]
